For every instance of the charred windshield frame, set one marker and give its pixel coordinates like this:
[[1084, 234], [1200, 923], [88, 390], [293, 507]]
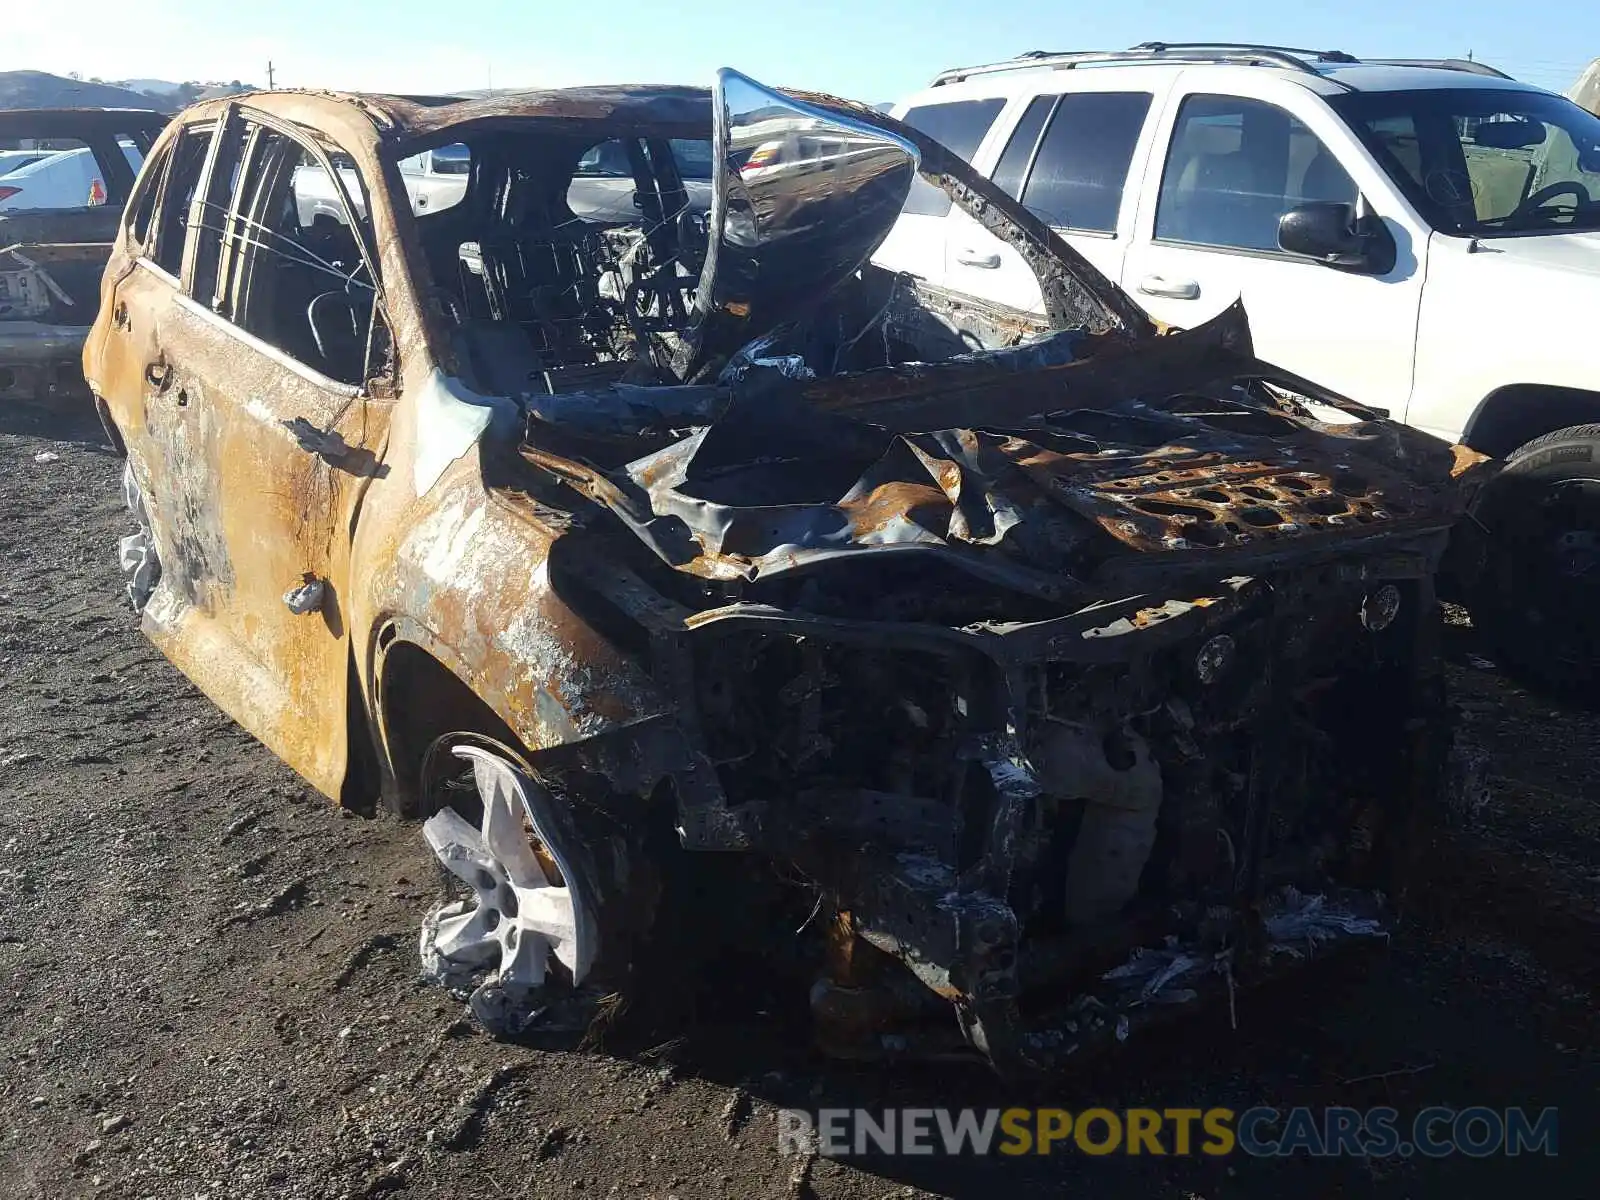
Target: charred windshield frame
[[1442, 186]]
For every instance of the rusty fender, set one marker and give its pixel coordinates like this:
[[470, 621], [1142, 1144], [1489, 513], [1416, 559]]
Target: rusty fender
[[468, 582]]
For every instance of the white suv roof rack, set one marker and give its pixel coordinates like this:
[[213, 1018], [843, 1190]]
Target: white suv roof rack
[[1234, 53]]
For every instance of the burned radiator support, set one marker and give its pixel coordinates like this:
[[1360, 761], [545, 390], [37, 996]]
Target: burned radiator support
[[1066, 799], [1121, 802]]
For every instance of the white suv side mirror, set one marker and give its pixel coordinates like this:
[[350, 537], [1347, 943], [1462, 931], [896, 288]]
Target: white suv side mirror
[[1332, 234]]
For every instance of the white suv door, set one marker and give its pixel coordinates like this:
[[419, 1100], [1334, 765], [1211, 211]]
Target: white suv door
[[916, 243], [1067, 159], [1226, 168]]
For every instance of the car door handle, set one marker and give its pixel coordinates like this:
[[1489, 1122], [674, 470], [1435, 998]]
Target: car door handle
[[158, 375], [969, 257], [1172, 289]]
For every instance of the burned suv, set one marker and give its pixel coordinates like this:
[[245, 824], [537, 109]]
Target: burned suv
[[1038, 669]]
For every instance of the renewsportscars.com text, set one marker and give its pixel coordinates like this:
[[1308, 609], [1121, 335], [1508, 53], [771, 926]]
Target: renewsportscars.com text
[[1433, 1132]]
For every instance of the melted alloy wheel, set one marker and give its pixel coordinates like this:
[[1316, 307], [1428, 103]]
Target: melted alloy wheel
[[526, 927]]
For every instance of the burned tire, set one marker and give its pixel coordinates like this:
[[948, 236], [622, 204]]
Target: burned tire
[[136, 553], [1537, 598], [547, 896]]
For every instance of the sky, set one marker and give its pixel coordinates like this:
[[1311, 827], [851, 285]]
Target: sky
[[871, 50]]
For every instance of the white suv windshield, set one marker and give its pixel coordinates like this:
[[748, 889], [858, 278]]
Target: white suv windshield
[[1485, 161]]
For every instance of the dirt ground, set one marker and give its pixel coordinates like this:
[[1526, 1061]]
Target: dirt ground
[[210, 974]]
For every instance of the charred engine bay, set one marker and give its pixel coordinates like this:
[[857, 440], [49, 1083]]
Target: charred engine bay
[[1150, 672]]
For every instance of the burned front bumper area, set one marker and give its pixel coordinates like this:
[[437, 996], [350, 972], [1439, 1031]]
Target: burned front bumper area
[[1028, 837], [1004, 822], [1060, 719]]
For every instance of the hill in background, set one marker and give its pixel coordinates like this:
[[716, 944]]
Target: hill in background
[[40, 89]]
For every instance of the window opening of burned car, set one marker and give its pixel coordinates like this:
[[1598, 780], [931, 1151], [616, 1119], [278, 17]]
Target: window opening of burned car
[[177, 196], [292, 256], [571, 260], [575, 258], [143, 209], [202, 257]]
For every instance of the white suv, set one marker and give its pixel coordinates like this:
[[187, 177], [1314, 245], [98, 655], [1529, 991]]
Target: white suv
[[1422, 237]]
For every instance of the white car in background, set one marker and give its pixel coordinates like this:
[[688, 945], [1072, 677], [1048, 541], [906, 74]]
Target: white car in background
[[436, 179], [1421, 237], [61, 179], [12, 160], [315, 195]]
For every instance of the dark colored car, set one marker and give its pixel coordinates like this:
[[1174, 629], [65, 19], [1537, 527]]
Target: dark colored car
[[60, 207]]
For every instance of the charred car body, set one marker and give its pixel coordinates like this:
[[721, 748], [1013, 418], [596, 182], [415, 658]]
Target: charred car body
[[1005, 648], [64, 180]]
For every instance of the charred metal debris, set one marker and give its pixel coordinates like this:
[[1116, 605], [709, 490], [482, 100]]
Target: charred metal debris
[[1145, 669]]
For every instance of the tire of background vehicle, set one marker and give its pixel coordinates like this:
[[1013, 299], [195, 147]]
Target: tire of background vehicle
[[1537, 600]]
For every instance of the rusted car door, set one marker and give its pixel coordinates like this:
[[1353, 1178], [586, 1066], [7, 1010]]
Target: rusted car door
[[264, 433], [126, 356], [143, 276]]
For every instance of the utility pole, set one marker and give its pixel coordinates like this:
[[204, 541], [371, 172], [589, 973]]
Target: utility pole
[[269, 74]]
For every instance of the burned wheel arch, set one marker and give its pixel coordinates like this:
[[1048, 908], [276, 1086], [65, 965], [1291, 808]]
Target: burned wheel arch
[[476, 637], [417, 700]]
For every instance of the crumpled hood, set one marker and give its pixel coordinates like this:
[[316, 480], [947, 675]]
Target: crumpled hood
[[1200, 474], [765, 491]]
